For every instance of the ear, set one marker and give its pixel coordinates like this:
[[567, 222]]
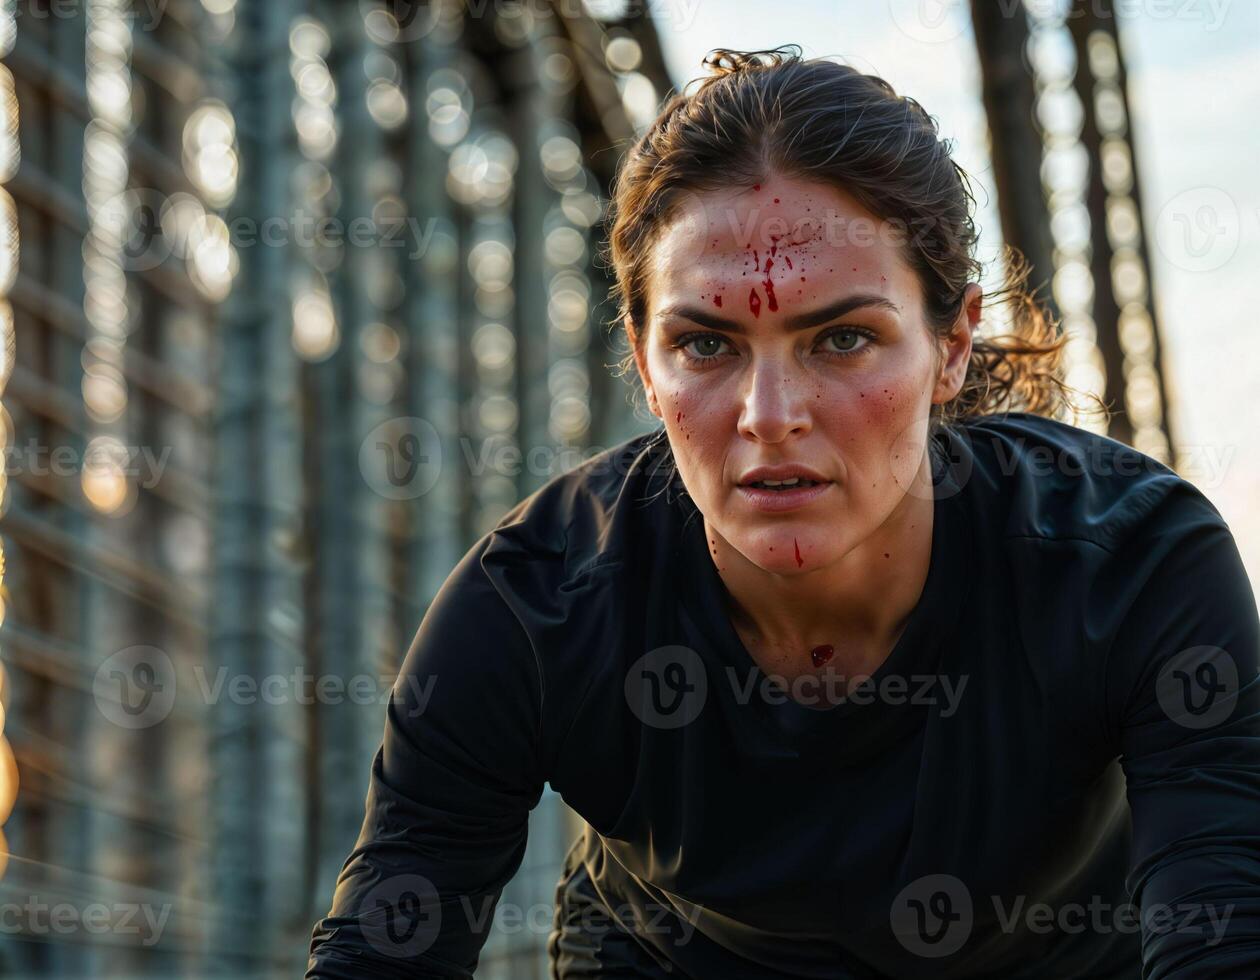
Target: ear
[[956, 347], [640, 363]]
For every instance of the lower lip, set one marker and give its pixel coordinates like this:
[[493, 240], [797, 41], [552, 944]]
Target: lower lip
[[775, 501]]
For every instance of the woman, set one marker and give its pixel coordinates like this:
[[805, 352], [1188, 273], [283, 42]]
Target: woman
[[851, 672]]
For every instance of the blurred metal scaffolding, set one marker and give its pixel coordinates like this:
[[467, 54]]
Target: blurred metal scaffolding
[[215, 390], [1054, 90]]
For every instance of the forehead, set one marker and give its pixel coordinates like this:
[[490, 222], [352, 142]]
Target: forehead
[[794, 239]]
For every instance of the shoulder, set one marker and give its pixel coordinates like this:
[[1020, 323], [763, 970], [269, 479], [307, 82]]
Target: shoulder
[[592, 515], [1109, 562], [575, 528], [557, 587], [1054, 481]]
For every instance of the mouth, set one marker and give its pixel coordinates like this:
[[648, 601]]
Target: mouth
[[781, 486], [776, 496]]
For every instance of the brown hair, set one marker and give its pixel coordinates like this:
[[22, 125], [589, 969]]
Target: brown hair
[[747, 119]]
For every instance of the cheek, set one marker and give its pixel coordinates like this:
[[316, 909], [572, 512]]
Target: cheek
[[891, 400], [682, 408], [867, 420], [883, 404], [699, 435], [870, 406], [689, 406]]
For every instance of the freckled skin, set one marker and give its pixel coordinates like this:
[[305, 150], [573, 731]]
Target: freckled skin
[[768, 396]]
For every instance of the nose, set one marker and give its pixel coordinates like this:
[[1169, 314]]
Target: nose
[[775, 401]]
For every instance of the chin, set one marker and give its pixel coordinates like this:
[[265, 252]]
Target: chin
[[775, 549]]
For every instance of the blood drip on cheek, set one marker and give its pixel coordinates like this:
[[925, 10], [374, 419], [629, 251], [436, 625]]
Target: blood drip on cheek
[[678, 418]]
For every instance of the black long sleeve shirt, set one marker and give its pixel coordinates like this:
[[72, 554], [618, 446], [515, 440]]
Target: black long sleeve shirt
[[1055, 774]]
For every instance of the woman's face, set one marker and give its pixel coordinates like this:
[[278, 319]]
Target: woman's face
[[783, 327]]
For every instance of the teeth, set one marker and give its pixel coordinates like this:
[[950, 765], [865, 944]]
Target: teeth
[[794, 481]]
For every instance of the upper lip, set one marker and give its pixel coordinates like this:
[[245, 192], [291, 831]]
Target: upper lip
[[784, 472]]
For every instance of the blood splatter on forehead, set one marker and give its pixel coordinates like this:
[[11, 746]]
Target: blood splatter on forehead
[[762, 248]]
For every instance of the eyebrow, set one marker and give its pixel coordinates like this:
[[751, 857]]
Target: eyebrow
[[800, 321]]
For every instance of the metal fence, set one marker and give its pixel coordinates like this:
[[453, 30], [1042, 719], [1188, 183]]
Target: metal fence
[[264, 264]]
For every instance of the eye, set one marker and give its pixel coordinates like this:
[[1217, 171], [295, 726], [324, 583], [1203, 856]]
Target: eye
[[847, 335], [710, 345]]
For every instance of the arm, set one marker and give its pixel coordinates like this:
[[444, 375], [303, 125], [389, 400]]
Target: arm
[[449, 796], [1183, 686]]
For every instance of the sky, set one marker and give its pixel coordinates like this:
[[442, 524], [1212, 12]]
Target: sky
[[1194, 92]]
